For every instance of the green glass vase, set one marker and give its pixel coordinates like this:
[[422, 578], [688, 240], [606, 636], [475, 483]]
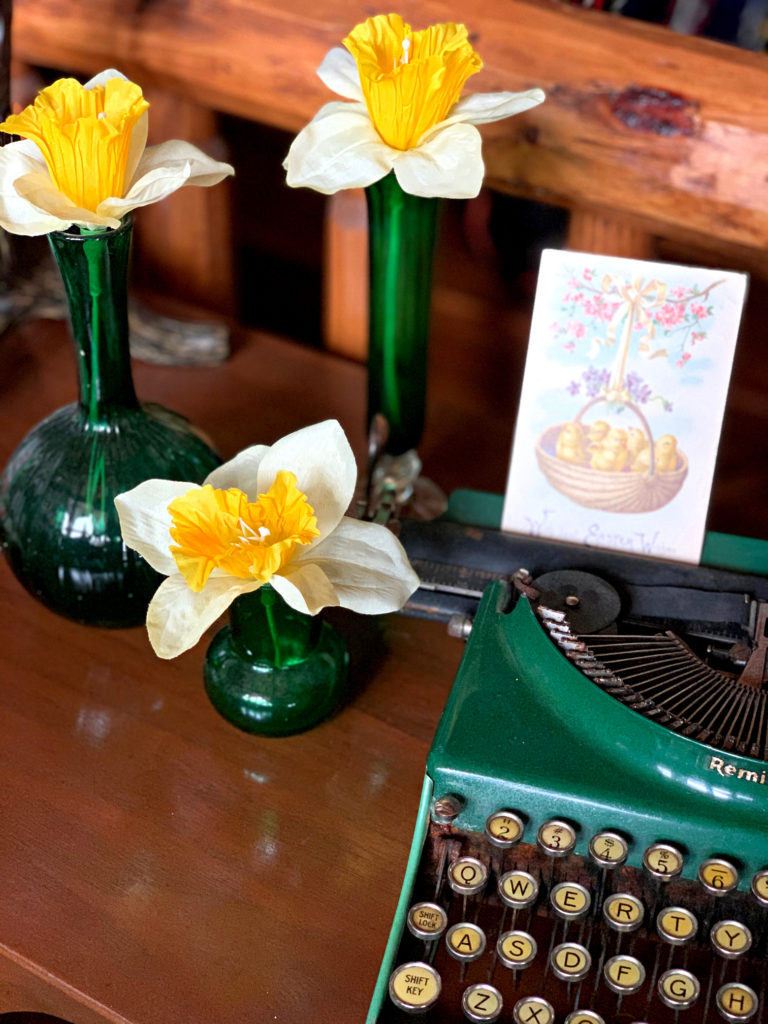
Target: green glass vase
[[274, 671], [401, 232], [61, 530]]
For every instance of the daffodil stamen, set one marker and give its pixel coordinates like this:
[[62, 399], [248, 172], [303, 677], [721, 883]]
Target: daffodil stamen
[[406, 48], [251, 536]]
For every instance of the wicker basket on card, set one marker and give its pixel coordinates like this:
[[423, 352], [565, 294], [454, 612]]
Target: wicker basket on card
[[623, 491]]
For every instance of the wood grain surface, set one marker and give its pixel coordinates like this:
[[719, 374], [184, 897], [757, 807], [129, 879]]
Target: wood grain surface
[[668, 130], [156, 865]]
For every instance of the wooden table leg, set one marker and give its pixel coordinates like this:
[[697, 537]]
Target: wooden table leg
[[184, 243], [345, 274], [591, 230]]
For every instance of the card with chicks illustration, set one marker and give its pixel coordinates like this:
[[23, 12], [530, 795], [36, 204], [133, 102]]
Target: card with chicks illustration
[[622, 403]]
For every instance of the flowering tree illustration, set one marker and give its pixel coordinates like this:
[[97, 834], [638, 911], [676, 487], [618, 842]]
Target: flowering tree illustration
[[613, 312]]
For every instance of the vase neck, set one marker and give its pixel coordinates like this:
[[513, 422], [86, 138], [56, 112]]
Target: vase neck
[[402, 230], [269, 630], [94, 266]]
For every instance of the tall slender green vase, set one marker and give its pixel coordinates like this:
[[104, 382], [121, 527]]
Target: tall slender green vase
[[60, 528], [402, 229], [274, 671]]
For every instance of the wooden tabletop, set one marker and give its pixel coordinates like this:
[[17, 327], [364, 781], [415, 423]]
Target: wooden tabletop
[[157, 865]]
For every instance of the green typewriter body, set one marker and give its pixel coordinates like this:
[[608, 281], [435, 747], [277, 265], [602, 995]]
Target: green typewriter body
[[592, 839]]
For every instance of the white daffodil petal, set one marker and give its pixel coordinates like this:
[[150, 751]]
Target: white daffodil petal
[[145, 521], [103, 77], [17, 214], [339, 148], [366, 566], [339, 72], [177, 617], [305, 587], [151, 187], [449, 163], [158, 176], [240, 472], [325, 469], [484, 107], [137, 147], [183, 157], [39, 190]]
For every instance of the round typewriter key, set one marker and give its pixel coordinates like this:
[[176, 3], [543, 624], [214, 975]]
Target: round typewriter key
[[678, 989], [504, 828], [414, 987], [624, 974], [623, 912], [465, 941], [516, 949], [608, 849], [556, 838], [570, 900], [481, 1002], [718, 876], [427, 920], [518, 889], [663, 861], [533, 1010], [570, 961], [736, 1002], [584, 1017], [676, 925], [760, 887], [467, 875], [731, 939]]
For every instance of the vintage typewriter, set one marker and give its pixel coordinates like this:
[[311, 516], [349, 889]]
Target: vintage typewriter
[[592, 839]]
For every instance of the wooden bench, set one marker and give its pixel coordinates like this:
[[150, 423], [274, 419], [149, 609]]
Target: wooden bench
[[644, 132]]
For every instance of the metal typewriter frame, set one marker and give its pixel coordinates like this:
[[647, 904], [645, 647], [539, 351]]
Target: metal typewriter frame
[[536, 695]]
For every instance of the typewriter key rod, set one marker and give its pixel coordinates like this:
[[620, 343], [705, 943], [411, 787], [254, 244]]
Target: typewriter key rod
[[674, 686]]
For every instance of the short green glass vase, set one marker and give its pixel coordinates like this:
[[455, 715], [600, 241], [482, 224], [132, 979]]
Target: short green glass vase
[[60, 528], [274, 671], [401, 241]]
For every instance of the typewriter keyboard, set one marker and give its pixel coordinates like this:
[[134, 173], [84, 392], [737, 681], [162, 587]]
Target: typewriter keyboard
[[516, 927]]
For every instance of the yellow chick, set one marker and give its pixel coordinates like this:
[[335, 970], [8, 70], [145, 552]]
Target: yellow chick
[[596, 435], [612, 456], [665, 454], [570, 443], [636, 442]]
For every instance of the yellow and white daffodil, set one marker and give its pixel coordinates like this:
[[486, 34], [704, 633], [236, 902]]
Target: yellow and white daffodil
[[84, 160], [271, 515], [405, 114]]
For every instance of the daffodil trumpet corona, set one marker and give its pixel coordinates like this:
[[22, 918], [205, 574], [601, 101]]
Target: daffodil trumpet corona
[[402, 111], [272, 515], [83, 159]]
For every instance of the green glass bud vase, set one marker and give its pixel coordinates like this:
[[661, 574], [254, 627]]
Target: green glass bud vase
[[274, 671], [61, 530], [401, 232]]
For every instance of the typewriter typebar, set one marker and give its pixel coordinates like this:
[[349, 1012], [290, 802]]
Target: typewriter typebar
[[592, 841]]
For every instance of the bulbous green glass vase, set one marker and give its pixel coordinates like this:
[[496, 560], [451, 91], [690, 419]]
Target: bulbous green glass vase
[[60, 528], [274, 671], [401, 241]]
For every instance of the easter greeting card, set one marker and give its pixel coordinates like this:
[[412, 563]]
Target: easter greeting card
[[622, 403]]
